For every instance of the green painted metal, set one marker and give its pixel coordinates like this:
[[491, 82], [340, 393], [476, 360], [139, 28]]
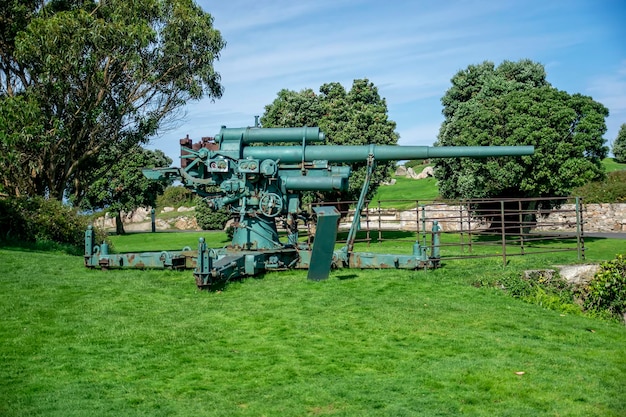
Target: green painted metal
[[348, 154], [324, 244], [247, 135], [98, 256], [260, 184]]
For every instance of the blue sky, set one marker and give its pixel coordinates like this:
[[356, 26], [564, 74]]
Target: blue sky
[[409, 49]]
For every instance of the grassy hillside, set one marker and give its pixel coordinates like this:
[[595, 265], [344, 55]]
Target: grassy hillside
[[610, 165], [426, 189], [77, 342], [406, 189]]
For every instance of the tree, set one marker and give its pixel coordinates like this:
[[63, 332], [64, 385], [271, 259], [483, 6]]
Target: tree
[[513, 104], [121, 186], [355, 117], [619, 145], [80, 78]]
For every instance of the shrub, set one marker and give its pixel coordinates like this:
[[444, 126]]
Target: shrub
[[209, 219], [416, 164], [611, 190], [175, 197], [619, 146], [37, 219], [543, 288], [606, 292]]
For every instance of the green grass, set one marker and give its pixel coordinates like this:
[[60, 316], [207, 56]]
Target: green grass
[[77, 342], [610, 165], [426, 189], [405, 189], [152, 242]]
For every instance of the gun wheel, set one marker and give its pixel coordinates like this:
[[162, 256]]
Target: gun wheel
[[271, 205]]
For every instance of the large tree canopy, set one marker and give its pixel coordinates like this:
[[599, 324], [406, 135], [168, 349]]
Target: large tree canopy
[[513, 104], [355, 117], [84, 77]]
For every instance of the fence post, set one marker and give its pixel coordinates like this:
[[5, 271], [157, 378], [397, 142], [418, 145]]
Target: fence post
[[380, 223], [469, 225], [521, 226], [580, 242], [503, 232], [461, 228]]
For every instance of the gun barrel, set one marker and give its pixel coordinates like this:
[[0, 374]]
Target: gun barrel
[[346, 153]]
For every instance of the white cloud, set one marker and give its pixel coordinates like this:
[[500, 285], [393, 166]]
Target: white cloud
[[409, 50]]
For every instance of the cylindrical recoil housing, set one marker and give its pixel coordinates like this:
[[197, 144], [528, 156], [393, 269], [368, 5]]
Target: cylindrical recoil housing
[[347, 153], [304, 183], [246, 135]]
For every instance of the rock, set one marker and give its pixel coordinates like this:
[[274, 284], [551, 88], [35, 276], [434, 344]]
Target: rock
[[230, 223], [400, 171], [426, 172], [542, 275], [410, 173], [167, 209], [138, 215], [186, 223], [183, 209], [578, 274], [161, 224]]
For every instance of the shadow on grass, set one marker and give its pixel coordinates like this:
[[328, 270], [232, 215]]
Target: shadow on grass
[[535, 239], [41, 246], [386, 234], [343, 276]]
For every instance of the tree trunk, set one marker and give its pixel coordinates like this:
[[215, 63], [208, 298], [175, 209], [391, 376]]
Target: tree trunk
[[119, 226]]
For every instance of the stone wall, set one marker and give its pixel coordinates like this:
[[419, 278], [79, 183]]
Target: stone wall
[[609, 217], [141, 220]]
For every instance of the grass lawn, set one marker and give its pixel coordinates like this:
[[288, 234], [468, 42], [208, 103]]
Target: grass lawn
[[405, 189], [610, 165], [77, 342]]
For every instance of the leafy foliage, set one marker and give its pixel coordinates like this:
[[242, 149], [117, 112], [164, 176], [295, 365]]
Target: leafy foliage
[[416, 164], [37, 219], [210, 219], [355, 117], [606, 293], [610, 190], [121, 186], [549, 291], [84, 78], [175, 196], [513, 104], [619, 145]]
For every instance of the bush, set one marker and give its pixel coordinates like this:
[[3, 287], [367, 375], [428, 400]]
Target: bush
[[416, 164], [175, 197], [37, 219], [611, 190], [606, 292], [538, 287], [619, 146], [209, 219]]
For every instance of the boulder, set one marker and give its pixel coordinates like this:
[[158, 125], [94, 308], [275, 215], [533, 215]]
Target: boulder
[[400, 171], [578, 274], [410, 173]]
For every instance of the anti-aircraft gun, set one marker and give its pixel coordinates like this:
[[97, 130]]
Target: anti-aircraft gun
[[261, 183]]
